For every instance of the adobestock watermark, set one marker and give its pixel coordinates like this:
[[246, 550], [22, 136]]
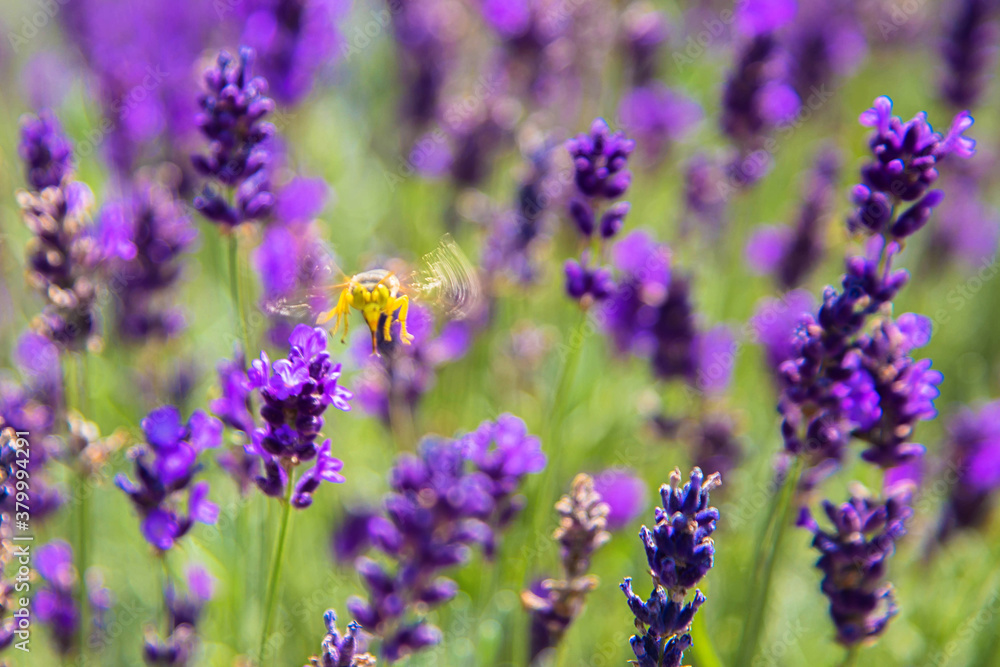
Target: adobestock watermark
[[713, 29]]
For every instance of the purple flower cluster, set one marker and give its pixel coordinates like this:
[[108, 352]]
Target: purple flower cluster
[[143, 238], [240, 152], [903, 167], [175, 447], [791, 254], [294, 40], [601, 175], [451, 495], [296, 392], [854, 560], [54, 604], [62, 255], [758, 95], [183, 612], [973, 465], [554, 603], [339, 650], [969, 51], [680, 552]]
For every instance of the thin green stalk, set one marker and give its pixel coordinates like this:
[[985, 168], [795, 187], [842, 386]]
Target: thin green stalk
[[165, 579], [988, 639], [235, 291], [276, 563], [852, 656], [77, 389], [768, 547]]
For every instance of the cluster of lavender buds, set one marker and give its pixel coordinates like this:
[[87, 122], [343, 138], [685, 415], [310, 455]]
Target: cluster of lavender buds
[[424, 44], [183, 612], [54, 604], [400, 375], [825, 42], [294, 40], [175, 447], [903, 167], [854, 561], [295, 393], [969, 51], [601, 175], [655, 115], [680, 552], [791, 254], [451, 495], [143, 238], [973, 470], [62, 256], [339, 650], [33, 405], [554, 603], [239, 158], [839, 381], [758, 95], [515, 232]]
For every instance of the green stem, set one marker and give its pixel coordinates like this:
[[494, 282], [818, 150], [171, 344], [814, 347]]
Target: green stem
[[851, 657], [989, 635], [276, 563], [78, 391], [768, 547], [235, 291]]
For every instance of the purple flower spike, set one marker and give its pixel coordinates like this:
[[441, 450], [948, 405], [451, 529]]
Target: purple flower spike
[[854, 560], [904, 164], [296, 391], [600, 160], [680, 552], [162, 481], [55, 603], [969, 51], [45, 151], [339, 650], [233, 108]]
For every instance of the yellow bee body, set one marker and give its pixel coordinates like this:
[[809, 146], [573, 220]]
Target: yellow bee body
[[374, 293]]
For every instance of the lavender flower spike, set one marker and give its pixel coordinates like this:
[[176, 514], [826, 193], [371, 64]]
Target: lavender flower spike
[[854, 561], [233, 108], [680, 552], [340, 650], [296, 392], [555, 603]]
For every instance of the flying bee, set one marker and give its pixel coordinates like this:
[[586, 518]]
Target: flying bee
[[445, 278]]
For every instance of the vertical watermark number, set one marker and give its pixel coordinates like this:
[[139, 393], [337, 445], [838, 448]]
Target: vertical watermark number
[[22, 538]]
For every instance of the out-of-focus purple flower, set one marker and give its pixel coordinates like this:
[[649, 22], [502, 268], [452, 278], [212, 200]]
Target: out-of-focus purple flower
[[554, 604], [680, 552], [175, 448], [657, 117], [903, 167], [144, 237], [438, 508], [644, 32], [516, 232], [707, 186], [825, 41], [968, 229], [54, 603], [588, 284], [240, 152], [294, 40], [45, 151], [183, 610], [233, 404], [45, 79], [792, 254], [969, 51], [715, 357], [758, 95], [973, 467], [600, 162], [643, 283], [341, 650], [62, 255], [854, 559], [623, 492], [296, 392]]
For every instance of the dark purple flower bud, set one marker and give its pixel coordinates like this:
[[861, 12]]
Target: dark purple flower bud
[[917, 215], [583, 215], [613, 219], [46, 152]]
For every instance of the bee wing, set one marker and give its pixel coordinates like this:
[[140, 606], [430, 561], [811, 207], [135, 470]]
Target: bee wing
[[317, 279], [446, 277]]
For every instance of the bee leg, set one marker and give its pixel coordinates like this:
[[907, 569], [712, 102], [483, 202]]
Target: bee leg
[[403, 303], [385, 328]]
